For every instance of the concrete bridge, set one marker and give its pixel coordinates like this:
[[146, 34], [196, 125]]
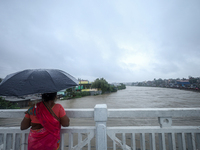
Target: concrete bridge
[[100, 137]]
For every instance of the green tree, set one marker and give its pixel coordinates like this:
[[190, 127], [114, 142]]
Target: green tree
[[70, 92], [1, 80], [159, 82], [123, 86], [96, 84], [113, 88], [101, 84], [192, 80], [6, 104], [140, 84]]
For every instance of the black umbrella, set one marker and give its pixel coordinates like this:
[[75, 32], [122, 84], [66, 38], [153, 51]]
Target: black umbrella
[[36, 81]]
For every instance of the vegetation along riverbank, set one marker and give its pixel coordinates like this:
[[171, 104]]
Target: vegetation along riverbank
[[191, 84], [86, 88]]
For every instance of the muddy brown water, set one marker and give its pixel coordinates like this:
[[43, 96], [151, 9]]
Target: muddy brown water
[[131, 97]]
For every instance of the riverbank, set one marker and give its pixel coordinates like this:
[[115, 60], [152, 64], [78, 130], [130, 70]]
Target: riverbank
[[178, 88], [188, 89]]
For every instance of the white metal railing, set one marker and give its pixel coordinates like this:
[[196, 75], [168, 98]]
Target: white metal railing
[[100, 137]]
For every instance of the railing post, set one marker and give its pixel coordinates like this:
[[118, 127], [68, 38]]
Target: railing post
[[165, 121], [100, 117]]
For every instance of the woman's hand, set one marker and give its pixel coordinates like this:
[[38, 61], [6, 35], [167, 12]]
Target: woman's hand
[[64, 121]]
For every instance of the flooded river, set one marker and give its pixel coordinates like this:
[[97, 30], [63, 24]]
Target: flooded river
[[132, 97], [139, 97]]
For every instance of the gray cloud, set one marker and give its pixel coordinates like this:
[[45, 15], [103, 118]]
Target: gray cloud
[[117, 40]]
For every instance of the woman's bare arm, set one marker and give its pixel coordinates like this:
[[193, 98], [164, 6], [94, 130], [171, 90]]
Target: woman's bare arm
[[25, 124], [64, 121]]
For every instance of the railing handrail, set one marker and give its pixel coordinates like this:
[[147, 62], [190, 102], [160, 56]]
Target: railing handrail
[[100, 131], [116, 113], [71, 113], [154, 112]]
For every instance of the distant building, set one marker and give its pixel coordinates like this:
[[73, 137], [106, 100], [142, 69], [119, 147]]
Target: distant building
[[61, 93], [116, 84], [83, 84], [183, 82], [149, 83], [23, 101]]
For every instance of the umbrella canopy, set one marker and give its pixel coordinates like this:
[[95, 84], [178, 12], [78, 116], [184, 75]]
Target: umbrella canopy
[[36, 81]]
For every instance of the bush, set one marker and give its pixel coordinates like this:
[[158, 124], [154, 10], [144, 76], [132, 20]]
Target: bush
[[76, 95], [113, 89], [122, 86], [81, 94], [6, 104]]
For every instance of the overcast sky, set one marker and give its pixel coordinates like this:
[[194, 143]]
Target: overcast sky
[[119, 40]]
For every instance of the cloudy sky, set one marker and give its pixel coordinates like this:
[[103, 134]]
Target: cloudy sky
[[119, 40]]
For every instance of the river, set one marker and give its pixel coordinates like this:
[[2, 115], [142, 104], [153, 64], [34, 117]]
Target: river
[[132, 97], [139, 97]]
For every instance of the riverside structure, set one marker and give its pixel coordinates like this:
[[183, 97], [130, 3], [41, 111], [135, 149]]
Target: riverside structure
[[100, 137]]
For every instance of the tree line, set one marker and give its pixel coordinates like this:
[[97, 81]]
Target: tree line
[[105, 87], [100, 84]]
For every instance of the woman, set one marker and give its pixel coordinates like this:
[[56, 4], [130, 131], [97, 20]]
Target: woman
[[45, 120]]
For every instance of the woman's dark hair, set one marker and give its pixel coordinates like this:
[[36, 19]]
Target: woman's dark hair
[[49, 96]]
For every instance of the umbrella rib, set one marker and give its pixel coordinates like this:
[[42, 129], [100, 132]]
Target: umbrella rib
[[51, 78], [29, 75], [71, 77]]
